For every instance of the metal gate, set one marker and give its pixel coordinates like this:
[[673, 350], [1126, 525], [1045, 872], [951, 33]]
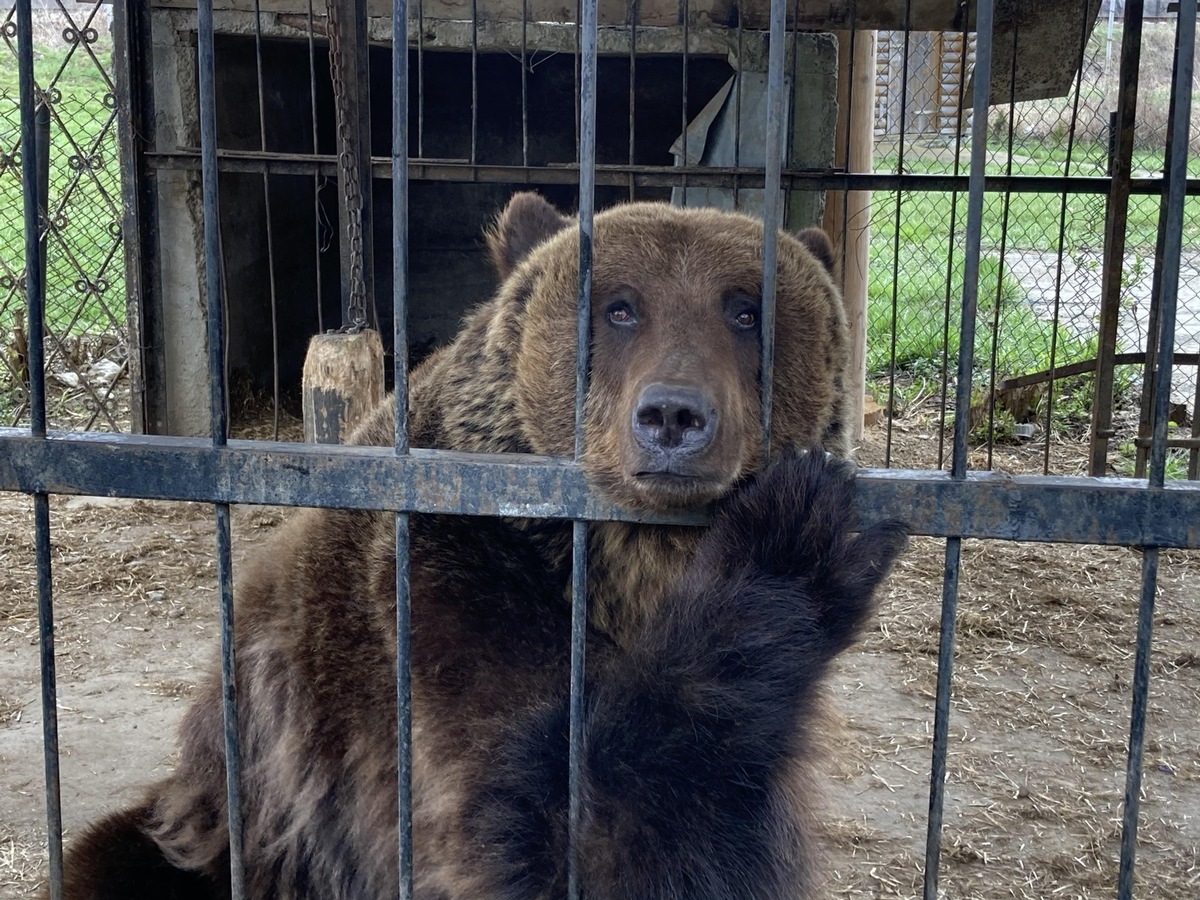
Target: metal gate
[[1147, 513]]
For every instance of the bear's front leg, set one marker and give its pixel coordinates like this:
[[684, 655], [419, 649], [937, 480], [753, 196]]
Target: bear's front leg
[[694, 737]]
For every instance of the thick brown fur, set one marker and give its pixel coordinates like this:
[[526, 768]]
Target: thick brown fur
[[706, 648]]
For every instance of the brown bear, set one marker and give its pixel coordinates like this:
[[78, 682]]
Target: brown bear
[[706, 647]]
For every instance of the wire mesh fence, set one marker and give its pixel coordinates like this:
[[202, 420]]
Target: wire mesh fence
[[1043, 263], [86, 337]]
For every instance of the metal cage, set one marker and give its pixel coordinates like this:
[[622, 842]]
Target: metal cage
[[1146, 513]]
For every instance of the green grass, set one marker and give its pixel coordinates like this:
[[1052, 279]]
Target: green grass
[[87, 242]]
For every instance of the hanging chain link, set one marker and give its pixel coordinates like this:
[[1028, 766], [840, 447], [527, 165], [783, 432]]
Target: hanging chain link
[[348, 171]]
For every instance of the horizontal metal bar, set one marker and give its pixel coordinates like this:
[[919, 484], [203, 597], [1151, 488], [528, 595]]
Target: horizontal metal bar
[[618, 174], [1114, 511]]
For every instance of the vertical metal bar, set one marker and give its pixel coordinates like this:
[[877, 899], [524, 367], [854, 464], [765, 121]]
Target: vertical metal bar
[[958, 131], [1062, 238], [41, 513], [684, 106], [400, 200], [35, 296], [941, 723], [216, 344], [1114, 236], [1174, 197], [474, 82], [233, 762], [772, 182], [525, 82], [941, 714], [966, 346], [887, 452], [421, 77], [737, 111], [35, 301], [634, 12], [317, 177], [266, 183], [587, 189], [1137, 722]]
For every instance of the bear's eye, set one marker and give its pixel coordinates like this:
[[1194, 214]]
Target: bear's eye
[[620, 313], [746, 319]]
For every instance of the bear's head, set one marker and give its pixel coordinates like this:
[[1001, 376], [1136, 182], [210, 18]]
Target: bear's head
[[673, 412]]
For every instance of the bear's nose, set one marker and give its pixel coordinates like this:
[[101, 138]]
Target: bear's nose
[[674, 418]]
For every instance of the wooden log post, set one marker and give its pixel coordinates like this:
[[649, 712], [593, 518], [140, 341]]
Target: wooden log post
[[343, 382], [848, 218]]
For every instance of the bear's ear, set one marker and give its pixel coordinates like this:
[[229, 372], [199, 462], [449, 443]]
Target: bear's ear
[[819, 245], [527, 221]]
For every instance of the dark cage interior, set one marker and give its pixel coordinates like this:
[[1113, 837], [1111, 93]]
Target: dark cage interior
[[448, 271]]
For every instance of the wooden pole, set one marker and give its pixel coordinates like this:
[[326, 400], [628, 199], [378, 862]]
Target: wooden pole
[[343, 381], [848, 218]]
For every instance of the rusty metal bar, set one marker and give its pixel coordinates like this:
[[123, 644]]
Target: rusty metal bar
[[1110, 511], [213, 272], [587, 69], [958, 466], [777, 114], [400, 246]]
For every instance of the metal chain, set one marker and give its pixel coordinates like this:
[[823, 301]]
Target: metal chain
[[351, 189]]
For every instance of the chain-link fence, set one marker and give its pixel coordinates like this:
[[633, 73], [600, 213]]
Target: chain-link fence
[[1043, 265], [86, 350]]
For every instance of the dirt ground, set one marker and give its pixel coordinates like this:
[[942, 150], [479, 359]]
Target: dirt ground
[[1044, 661]]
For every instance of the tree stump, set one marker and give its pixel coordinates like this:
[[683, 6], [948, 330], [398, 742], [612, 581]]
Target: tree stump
[[343, 381]]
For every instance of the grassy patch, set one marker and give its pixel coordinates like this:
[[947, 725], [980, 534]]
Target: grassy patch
[[85, 287]]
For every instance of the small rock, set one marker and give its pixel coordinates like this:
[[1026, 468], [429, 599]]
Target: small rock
[[156, 596]]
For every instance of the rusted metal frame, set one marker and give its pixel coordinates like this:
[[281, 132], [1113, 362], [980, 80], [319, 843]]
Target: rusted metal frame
[[895, 310], [776, 127], [318, 178], [1117, 215], [985, 34], [1108, 511], [214, 288], [400, 247], [1085, 32], [35, 297], [353, 61], [587, 69], [848, 115], [661, 176], [1008, 167], [266, 186]]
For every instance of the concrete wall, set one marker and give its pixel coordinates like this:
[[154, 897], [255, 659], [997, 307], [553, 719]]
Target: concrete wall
[[448, 270]]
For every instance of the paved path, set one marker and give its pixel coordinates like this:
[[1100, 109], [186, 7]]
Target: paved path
[[1079, 305]]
